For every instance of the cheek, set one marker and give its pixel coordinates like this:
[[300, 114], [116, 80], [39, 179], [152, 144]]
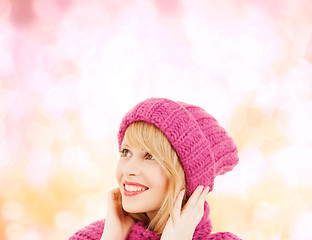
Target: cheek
[[162, 183], [118, 172], [165, 182]]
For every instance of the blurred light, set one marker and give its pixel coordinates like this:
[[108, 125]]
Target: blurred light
[[246, 175], [145, 13], [239, 119], [6, 61], [265, 211], [68, 39], [258, 26], [89, 17], [91, 175], [38, 168], [241, 78], [5, 9], [299, 115], [95, 124], [301, 229], [297, 83], [111, 85], [62, 129], [259, 45], [65, 4], [164, 74], [46, 57], [55, 103], [12, 210], [207, 45], [15, 231], [251, 158], [94, 120], [267, 96], [168, 7], [40, 135], [254, 235], [20, 104], [65, 220], [152, 49], [2, 126], [38, 80], [87, 94], [26, 51], [271, 129], [32, 234], [2, 105], [222, 109], [95, 213], [5, 154], [22, 14], [82, 20], [39, 7], [308, 53], [196, 29], [6, 98], [294, 166], [117, 56], [249, 49], [75, 158]]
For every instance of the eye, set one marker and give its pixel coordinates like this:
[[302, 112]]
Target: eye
[[124, 152], [149, 156]]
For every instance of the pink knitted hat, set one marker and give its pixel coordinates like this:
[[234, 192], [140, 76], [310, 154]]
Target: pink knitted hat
[[203, 146]]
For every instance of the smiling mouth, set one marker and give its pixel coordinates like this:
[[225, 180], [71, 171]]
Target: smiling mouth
[[132, 189]]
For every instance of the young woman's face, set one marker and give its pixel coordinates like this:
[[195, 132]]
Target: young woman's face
[[142, 181]]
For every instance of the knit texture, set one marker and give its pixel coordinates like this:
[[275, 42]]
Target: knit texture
[[138, 232], [204, 149], [203, 146]]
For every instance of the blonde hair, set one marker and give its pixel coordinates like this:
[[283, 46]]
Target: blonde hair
[[152, 140]]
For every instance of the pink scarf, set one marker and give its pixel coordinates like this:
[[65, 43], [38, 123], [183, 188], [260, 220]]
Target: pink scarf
[[139, 232]]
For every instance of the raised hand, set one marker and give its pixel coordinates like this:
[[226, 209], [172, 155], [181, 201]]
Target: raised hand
[[117, 222], [181, 225]]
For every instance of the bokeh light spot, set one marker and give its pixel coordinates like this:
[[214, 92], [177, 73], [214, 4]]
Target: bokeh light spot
[[55, 103], [37, 171], [65, 220], [75, 158], [12, 210]]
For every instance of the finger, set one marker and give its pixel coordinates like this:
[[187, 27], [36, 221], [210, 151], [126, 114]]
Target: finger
[[204, 194], [199, 207], [115, 192], [112, 195], [113, 200], [194, 197], [201, 199], [191, 203], [178, 204]]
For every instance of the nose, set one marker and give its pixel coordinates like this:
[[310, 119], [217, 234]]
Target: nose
[[132, 167]]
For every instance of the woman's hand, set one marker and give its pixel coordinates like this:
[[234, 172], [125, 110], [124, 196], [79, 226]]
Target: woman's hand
[[183, 222], [117, 223]]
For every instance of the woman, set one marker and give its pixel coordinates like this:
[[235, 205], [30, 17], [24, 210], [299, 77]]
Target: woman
[[170, 154]]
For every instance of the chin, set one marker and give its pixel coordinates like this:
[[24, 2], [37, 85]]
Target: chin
[[131, 209]]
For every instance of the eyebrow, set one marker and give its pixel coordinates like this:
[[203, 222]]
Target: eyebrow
[[124, 146]]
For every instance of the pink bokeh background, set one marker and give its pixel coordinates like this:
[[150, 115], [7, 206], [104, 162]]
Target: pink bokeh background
[[70, 69]]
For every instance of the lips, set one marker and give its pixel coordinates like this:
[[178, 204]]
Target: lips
[[133, 188]]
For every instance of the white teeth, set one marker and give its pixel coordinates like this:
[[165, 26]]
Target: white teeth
[[131, 188]]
